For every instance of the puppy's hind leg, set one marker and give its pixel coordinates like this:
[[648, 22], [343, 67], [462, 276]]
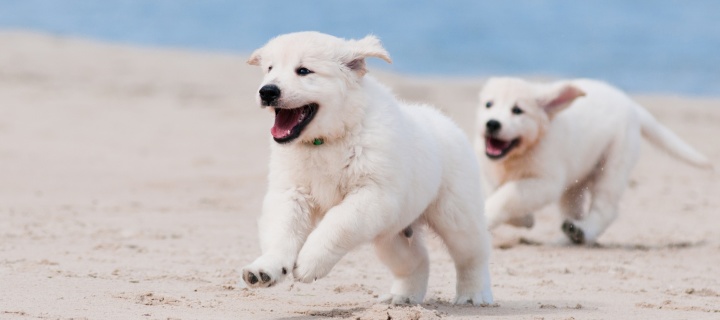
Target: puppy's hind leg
[[572, 206], [572, 202], [405, 255], [461, 225], [607, 187], [603, 211]]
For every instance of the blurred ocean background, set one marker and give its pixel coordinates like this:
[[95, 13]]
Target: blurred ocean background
[[643, 46]]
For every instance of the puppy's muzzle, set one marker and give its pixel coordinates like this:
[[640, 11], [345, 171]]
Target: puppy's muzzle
[[269, 94], [493, 127]]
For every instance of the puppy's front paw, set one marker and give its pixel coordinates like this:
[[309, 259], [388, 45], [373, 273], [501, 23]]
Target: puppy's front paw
[[396, 299], [314, 263], [264, 272], [574, 232], [482, 298]]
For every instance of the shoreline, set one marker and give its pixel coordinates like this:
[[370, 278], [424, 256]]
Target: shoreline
[[377, 68]]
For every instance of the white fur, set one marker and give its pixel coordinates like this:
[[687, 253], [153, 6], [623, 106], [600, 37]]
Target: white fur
[[383, 166], [565, 156]]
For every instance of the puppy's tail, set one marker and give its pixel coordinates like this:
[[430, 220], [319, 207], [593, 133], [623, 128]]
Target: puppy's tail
[[665, 139]]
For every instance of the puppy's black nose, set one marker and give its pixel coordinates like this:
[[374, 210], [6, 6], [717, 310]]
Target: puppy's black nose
[[493, 126], [269, 93]]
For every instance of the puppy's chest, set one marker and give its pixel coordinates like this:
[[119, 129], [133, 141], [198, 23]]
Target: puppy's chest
[[330, 176], [515, 169]]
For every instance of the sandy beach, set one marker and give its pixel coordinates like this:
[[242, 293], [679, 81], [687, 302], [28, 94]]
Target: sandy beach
[[131, 179]]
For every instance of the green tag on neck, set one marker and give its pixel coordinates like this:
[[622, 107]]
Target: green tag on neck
[[318, 141]]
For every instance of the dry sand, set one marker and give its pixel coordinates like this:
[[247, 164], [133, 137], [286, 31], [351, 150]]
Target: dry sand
[[131, 179]]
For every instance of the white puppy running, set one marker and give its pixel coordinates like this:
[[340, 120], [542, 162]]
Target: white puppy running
[[351, 165], [533, 153]]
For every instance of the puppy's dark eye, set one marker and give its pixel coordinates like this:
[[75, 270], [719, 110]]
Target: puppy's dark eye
[[303, 71], [269, 68], [517, 110], [488, 104]]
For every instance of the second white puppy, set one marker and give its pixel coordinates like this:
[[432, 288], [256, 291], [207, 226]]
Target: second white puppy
[[533, 153], [350, 164]]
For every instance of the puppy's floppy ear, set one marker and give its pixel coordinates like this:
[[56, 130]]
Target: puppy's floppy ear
[[255, 58], [369, 46], [559, 97]]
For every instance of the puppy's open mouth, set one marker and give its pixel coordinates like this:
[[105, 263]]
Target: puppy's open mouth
[[496, 148], [289, 123]]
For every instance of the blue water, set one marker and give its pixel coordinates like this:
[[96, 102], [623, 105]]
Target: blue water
[[643, 46]]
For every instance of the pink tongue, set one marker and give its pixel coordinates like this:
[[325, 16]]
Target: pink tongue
[[285, 120], [495, 147]]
